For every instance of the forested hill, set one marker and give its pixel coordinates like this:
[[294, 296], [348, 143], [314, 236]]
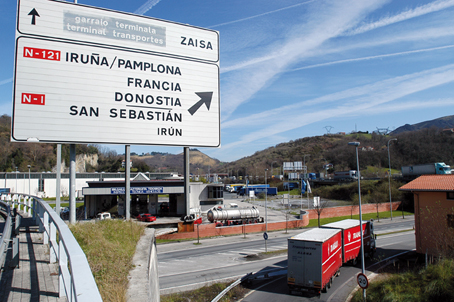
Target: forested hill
[[428, 145], [446, 122], [42, 157], [414, 147]]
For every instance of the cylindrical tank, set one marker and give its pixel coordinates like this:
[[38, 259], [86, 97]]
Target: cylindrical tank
[[216, 214]]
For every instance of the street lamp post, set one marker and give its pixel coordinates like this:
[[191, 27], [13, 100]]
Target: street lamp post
[[16, 179], [356, 144], [266, 210], [28, 166], [266, 200], [389, 179], [266, 213], [305, 167]]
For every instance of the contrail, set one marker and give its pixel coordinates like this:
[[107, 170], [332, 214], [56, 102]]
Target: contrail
[[6, 81], [408, 14], [373, 57], [263, 14], [146, 7]]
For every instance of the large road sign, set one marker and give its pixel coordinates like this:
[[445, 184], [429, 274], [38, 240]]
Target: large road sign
[[67, 91]]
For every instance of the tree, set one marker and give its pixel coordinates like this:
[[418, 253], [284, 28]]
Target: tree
[[355, 203], [376, 198], [320, 207]]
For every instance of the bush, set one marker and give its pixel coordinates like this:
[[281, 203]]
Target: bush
[[436, 283]]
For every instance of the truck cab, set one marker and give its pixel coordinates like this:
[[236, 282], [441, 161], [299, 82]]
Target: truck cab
[[442, 168]]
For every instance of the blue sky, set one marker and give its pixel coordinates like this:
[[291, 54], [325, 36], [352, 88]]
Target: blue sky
[[292, 69]]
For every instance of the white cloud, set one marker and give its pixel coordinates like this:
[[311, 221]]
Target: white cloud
[[375, 57], [146, 7], [406, 15], [326, 22], [6, 81], [261, 15], [367, 98]]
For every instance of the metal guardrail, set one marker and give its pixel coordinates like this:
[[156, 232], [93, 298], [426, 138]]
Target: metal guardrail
[[6, 235], [76, 281]]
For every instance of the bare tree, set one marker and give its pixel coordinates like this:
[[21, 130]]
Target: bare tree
[[355, 203], [319, 207]]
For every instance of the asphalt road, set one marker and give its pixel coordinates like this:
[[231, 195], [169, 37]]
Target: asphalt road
[[185, 265], [276, 289]]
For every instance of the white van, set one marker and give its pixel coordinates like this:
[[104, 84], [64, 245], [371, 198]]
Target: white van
[[103, 216]]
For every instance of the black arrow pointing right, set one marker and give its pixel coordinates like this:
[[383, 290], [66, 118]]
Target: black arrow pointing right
[[205, 98], [34, 14]]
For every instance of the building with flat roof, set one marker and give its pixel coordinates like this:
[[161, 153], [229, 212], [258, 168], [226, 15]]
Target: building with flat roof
[[160, 194]]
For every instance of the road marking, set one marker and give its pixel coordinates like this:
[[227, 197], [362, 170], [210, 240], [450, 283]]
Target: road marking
[[229, 265]]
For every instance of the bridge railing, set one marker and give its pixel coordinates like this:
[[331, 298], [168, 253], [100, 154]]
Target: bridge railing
[[6, 235], [76, 281]]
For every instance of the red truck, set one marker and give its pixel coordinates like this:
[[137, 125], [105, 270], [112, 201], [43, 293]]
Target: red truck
[[314, 259], [351, 239], [315, 256]]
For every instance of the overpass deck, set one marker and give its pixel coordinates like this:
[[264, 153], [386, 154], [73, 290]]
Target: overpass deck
[[34, 279]]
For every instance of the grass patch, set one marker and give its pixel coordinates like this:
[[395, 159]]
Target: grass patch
[[207, 293], [161, 241], [292, 192], [66, 204], [314, 222], [274, 253], [109, 246], [436, 283]]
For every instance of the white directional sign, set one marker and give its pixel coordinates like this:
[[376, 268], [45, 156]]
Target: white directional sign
[[81, 23], [76, 92]]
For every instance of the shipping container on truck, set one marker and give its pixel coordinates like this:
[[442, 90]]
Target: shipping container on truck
[[351, 238], [314, 259], [290, 185], [232, 188], [258, 190], [345, 175], [433, 168], [246, 189]]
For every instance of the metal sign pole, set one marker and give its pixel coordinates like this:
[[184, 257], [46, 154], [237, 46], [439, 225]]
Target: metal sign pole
[[72, 183], [128, 181]]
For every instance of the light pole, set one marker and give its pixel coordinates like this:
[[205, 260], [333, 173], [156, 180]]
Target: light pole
[[16, 179], [389, 179], [356, 144], [28, 166], [266, 210], [305, 167], [266, 200]]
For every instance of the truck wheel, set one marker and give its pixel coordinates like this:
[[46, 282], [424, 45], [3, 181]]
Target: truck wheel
[[324, 290], [329, 282]]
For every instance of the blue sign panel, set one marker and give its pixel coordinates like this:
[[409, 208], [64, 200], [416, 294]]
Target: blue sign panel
[[138, 190]]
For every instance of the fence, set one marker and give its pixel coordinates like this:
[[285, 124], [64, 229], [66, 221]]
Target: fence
[[5, 240], [76, 282]]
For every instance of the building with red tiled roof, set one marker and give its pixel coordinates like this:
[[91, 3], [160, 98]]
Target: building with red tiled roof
[[434, 213]]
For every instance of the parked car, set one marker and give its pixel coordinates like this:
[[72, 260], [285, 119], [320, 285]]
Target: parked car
[[146, 217], [103, 216]]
